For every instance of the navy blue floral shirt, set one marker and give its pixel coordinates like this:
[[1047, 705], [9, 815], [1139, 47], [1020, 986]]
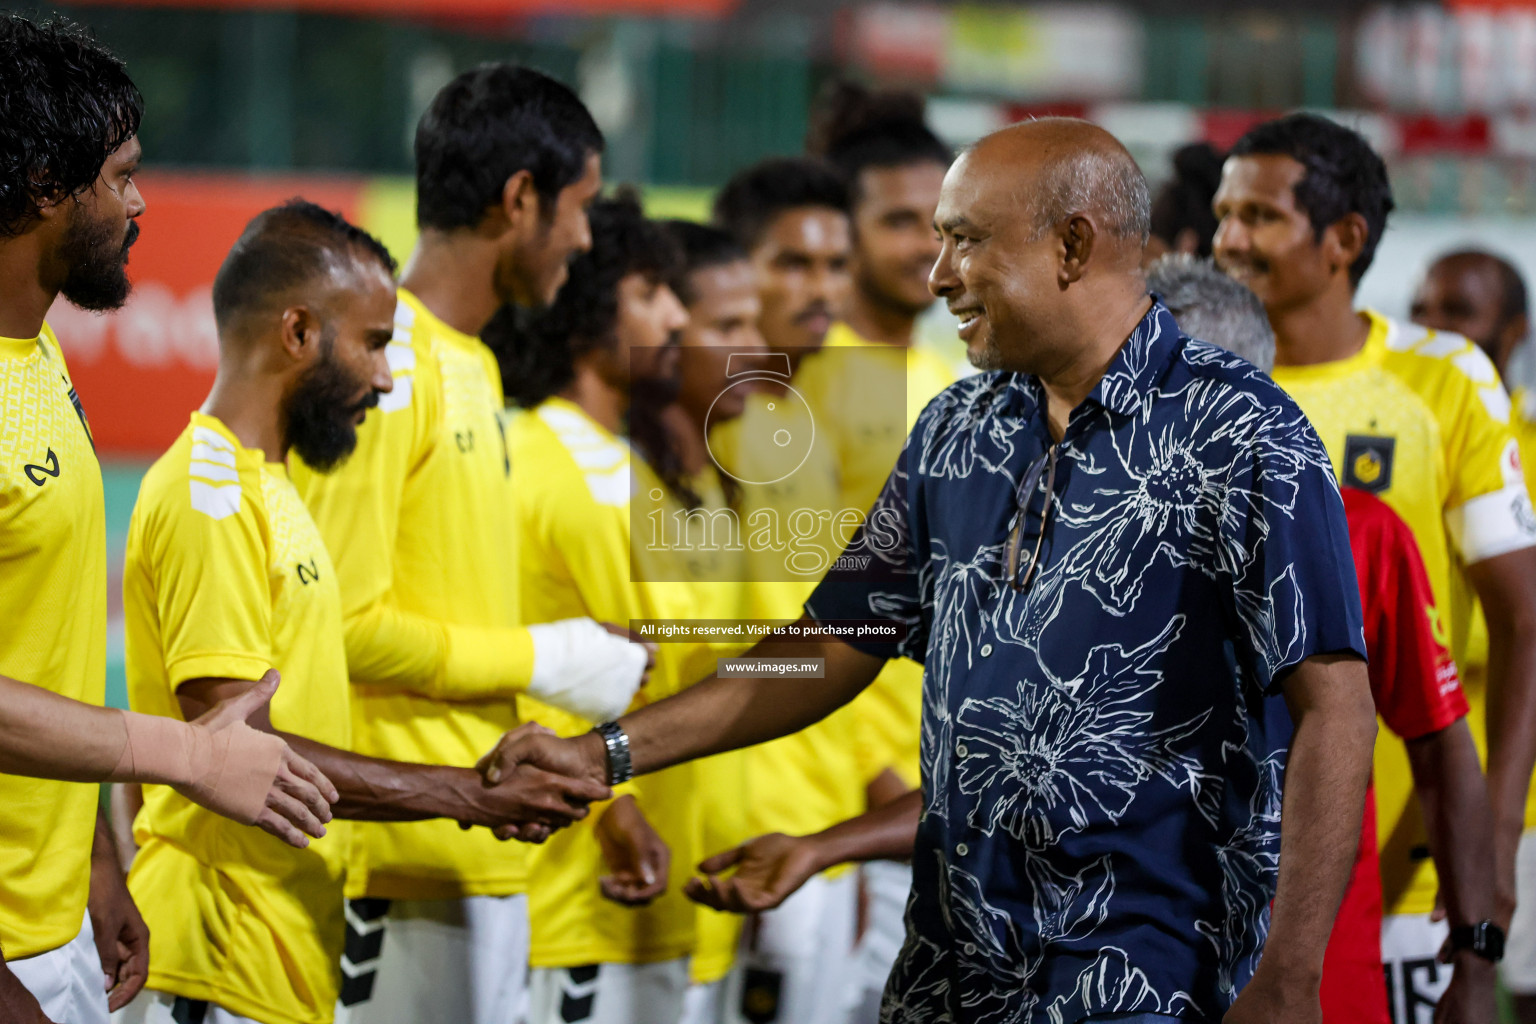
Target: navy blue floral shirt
[[1103, 752]]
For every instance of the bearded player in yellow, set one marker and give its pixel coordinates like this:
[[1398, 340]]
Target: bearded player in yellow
[[226, 579], [1419, 419], [72, 943], [717, 287], [612, 931], [421, 525], [867, 387], [791, 218]]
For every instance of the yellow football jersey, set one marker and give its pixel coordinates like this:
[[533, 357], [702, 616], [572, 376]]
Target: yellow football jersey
[[843, 389], [1522, 420], [420, 523], [573, 509], [1419, 419], [53, 602], [226, 576], [813, 779], [722, 785], [846, 390]]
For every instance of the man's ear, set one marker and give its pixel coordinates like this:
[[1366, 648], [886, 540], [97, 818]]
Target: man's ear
[[1510, 336], [1344, 240], [1078, 236], [520, 201], [300, 333]]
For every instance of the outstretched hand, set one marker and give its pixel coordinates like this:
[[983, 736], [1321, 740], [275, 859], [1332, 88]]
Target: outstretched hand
[[523, 798], [769, 869], [532, 744], [299, 797], [638, 858]]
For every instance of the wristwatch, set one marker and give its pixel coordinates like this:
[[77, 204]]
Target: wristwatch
[[1484, 939], [620, 769]]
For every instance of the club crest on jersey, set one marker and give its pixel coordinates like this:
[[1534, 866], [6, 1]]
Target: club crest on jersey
[[1368, 462]]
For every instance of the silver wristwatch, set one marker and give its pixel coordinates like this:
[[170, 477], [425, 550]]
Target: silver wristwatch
[[620, 768]]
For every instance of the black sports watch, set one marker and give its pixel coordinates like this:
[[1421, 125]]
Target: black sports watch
[[1484, 939], [616, 743]]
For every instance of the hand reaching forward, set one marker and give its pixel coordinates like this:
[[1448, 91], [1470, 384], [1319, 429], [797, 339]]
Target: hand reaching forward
[[580, 757], [297, 798], [638, 859], [769, 869], [521, 799]]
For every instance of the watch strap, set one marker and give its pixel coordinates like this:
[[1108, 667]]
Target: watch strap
[[616, 744]]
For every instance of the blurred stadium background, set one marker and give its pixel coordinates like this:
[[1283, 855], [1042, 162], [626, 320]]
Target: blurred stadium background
[[252, 101]]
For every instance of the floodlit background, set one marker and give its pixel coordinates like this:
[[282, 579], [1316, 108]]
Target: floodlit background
[[250, 102]]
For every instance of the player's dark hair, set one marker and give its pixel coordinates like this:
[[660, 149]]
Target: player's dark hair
[[755, 197], [283, 248], [66, 103], [699, 247], [538, 353], [485, 126], [1183, 203], [854, 129], [1344, 175]]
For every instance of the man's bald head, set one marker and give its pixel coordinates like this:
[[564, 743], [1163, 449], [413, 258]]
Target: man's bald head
[[1043, 226], [292, 254], [1067, 166], [1477, 294]]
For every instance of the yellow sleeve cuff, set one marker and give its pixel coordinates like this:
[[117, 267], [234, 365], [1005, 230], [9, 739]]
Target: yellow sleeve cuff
[[485, 663]]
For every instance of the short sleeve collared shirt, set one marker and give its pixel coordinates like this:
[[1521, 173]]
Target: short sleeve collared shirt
[[1103, 751]]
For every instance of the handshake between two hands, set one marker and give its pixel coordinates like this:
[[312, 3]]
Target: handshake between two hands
[[536, 783]]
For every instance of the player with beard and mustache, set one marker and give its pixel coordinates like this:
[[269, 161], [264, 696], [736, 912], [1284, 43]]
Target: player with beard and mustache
[[792, 218], [422, 525], [227, 579], [68, 151], [612, 932], [894, 165]]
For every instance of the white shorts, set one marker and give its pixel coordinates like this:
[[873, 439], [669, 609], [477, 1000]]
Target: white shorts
[[705, 1004], [1415, 979], [886, 884], [67, 982], [796, 960], [408, 961], [164, 1008], [609, 993], [1518, 970]]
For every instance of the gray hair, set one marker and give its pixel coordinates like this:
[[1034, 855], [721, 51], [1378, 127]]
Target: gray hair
[[1109, 184], [1211, 306]]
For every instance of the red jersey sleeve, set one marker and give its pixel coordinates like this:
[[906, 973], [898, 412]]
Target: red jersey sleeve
[[1413, 677]]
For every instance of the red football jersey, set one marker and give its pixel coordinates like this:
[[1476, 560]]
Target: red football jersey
[[1417, 692]]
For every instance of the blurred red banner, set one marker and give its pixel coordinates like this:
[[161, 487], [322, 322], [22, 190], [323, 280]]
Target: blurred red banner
[[142, 369]]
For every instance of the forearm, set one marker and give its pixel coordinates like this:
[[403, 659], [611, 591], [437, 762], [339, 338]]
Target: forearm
[[726, 714], [392, 649], [376, 790], [1511, 741], [17, 1005], [888, 832], [1327, 772], [46, 736], [1454, 801]]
